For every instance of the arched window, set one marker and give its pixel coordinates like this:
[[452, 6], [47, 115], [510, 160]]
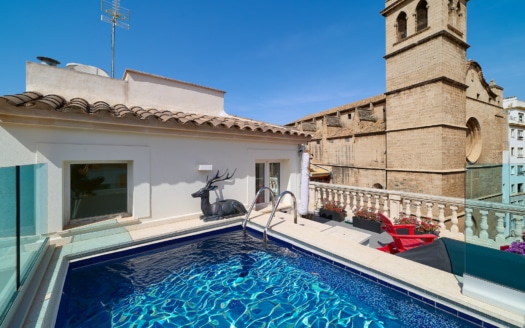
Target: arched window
[[422, 15], [401, 23]]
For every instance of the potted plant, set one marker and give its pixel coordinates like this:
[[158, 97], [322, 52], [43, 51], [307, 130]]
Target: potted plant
[[516, 247], [368, 220], [425, 226], [333, 211]]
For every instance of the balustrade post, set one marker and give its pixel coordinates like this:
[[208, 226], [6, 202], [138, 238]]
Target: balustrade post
[[331, 195], [500, 228], [311, 196], [354, 201], [376, 206], [369, 201], [418, 210], [407, 207], [385, 205], [454, 220], [430, 215], [518, 228], [468, 223], [323, 196], [395, 206], [361, 200], [484, 234], [441, 216], [347, 208], [342, 199]]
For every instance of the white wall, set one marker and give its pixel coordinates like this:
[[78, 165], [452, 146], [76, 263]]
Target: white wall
[[164, 170], [138, 89]]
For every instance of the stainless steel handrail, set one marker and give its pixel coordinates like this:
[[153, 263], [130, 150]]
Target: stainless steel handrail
[[272, 197], [265, 232]]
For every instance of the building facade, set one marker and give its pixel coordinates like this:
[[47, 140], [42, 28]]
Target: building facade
[[438, 129], [514, 159], [136, 148]]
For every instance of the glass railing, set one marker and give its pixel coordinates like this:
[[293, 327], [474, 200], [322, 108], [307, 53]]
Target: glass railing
[[23, 216], [494, 249]]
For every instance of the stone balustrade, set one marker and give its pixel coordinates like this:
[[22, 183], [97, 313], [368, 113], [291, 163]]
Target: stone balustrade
[[486, 223]]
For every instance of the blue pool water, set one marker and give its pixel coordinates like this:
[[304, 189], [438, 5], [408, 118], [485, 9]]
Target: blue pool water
[[233, 280]]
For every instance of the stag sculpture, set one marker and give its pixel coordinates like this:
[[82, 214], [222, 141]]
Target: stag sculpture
[[221, 208]]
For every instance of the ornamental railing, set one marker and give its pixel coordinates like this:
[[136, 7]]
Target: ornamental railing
[[486, 223]]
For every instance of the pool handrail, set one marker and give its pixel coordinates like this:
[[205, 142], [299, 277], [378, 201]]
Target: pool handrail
[[247, 217], [294, 209]]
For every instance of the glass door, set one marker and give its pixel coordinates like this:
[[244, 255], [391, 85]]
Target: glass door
[[267, 175]]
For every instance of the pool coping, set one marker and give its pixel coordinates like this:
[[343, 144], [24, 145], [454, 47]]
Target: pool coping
[[307, 232]]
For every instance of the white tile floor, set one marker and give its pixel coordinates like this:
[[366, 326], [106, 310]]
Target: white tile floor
[[338, 240]]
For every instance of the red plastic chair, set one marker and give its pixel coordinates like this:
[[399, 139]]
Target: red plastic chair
[[403, 243]]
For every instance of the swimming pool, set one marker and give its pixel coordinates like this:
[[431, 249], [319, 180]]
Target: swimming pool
[[229, 279]]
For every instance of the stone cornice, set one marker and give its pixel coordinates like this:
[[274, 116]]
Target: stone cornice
[[443, 33], [442, 79]]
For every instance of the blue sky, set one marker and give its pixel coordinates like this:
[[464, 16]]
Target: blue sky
[[277, 60]]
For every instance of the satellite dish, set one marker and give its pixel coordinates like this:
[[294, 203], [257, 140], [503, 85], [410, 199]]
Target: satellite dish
[[87, 69], [48, 61]]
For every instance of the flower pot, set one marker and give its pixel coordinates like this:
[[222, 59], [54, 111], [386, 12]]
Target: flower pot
[[404, 231], [332, 215], [369, 225]]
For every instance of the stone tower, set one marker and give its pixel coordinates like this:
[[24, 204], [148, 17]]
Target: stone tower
[[426, 95]]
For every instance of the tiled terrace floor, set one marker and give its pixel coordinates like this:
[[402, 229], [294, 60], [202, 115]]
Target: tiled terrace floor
[[338, 240]]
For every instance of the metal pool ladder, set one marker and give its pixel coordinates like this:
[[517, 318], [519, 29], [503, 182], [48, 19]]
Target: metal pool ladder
[[265, 232], [246, 218]]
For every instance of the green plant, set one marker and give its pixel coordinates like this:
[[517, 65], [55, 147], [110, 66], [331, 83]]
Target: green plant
[[426, 225], [366, 214]]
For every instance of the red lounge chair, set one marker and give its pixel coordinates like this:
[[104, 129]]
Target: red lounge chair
[[403, 243]]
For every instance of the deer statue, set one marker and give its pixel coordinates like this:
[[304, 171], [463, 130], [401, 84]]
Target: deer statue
[[221, 208]]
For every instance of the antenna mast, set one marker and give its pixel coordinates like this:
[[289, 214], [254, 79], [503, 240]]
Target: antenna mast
[[116, 16]]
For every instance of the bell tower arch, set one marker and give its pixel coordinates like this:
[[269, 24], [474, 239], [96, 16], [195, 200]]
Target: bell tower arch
[[426, 95]]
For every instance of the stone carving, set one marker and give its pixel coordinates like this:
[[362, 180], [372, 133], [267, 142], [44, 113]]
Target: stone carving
[[222, 208]]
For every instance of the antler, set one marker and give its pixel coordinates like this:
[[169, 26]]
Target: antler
[[219, 177]]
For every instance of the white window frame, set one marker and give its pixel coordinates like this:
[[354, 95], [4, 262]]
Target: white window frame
[[268, 181], [67, 191]]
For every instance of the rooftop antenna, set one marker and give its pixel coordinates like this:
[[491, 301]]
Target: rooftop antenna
[[117, 16]]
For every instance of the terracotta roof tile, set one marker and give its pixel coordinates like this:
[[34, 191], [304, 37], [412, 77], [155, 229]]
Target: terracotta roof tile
[[362, 102], [20, 99], [79, 105]]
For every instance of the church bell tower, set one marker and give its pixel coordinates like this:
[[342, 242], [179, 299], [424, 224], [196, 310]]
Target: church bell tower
[[426, 95]]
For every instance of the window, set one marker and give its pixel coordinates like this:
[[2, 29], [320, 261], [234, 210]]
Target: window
[[520, 118], [513, 133], [422, 15], [513, 188], [98, 189], [520, 187], [512, 151], [512, 170], [520, 134], [401, 23], [520, 170], [267, 175], [520, 152]]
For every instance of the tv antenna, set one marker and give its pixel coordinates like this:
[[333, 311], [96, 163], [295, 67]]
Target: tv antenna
[[117, 16]]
